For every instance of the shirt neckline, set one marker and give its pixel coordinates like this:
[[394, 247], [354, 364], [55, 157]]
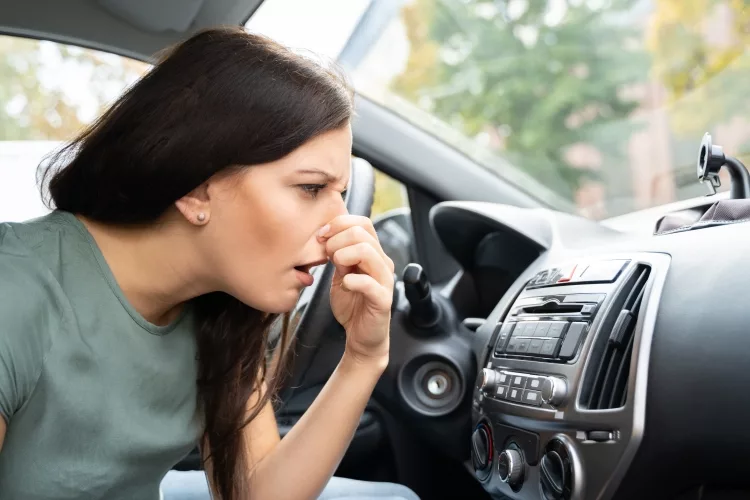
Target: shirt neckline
[[112, 282]]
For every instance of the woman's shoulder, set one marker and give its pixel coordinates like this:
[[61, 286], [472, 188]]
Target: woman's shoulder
[[30, 308], [27, 286]]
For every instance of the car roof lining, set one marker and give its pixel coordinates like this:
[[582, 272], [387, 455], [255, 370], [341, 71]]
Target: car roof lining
[[133, 28]]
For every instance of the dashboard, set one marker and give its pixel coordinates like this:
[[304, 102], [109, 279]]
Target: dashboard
[[609, 364]]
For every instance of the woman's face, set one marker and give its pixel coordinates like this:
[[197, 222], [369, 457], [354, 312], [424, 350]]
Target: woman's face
[[263, 221]]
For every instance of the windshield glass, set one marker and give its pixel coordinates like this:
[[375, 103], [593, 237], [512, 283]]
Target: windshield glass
[[597, 106]]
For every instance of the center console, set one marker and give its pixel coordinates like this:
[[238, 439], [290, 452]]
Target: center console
[[559, 405]]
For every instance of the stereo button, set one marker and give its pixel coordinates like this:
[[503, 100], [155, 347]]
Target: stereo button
[[502, 336], [555, 329], [522, 346], [534, 383], [512, 346], [518, 381], [533, 398], [549, 347], [525, 329], [535, 346], [519, 329], [572, 338], [502, 392], [542, 328], [515, 395]]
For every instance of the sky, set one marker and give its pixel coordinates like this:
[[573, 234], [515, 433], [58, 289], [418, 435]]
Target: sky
[[322, 26]]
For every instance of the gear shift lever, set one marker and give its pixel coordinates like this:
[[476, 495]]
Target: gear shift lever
[[424, 311]]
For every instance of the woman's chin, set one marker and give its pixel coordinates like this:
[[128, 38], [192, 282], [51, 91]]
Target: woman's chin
[[284, 303]]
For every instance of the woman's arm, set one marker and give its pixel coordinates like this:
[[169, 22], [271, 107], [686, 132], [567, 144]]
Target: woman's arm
[[299, 466]]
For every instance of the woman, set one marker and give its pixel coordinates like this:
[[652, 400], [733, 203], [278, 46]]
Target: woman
[[135, 315]]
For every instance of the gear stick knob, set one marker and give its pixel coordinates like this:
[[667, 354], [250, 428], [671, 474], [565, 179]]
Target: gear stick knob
[[424, 311]]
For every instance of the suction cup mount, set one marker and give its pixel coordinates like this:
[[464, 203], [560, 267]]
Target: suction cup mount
[[710, 160]]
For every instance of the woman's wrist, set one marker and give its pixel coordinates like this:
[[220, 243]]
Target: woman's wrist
[[375, 363]]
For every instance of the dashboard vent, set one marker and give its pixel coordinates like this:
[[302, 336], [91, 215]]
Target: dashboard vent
[[608, 387]]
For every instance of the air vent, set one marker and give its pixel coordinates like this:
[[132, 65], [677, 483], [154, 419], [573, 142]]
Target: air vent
[[608, 388]]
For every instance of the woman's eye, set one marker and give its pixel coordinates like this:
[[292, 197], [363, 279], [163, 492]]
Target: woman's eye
[[312, 189]]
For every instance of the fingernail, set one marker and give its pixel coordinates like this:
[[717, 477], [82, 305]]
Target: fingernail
[[324, 230]]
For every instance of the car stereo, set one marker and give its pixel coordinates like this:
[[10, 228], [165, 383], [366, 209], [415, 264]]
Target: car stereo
[[555, 407]]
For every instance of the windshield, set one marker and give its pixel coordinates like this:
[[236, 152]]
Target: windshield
[[594, 105]]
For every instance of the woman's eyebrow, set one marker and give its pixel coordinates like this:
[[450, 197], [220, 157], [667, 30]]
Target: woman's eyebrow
[[329, 178]]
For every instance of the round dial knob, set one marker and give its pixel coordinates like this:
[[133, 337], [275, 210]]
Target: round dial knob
[[510, 467], [554, 391], [556, 471], [481, 449], [489, 379]]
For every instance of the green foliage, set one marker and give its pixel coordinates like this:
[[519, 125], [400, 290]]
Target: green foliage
[[35, 105], [37, 110], [389, 194], [701, 58], [536, 84]]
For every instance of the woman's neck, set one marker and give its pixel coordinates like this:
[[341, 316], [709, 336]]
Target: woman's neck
[[157, 267]]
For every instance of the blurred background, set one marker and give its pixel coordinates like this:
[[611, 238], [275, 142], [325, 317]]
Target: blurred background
[[598, 106]]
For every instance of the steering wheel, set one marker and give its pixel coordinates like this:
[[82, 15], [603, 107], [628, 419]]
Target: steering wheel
[[312, 318]]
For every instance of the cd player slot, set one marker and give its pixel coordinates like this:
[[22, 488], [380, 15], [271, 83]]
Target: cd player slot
[[570, 306], [551, 308]]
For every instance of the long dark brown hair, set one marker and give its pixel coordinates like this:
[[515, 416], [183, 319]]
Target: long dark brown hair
[[221, 99]]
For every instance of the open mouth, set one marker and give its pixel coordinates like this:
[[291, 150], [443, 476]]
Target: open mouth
[[305, 268]]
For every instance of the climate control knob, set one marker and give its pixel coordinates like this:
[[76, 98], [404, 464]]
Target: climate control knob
[[489, 380], [554, 391], [556, 471], [510, 467], [482, 450]]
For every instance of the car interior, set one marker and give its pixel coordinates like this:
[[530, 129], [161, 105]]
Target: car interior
[[537, 352]]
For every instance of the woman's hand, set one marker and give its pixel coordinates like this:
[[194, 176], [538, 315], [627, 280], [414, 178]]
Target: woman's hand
[[362, 286]]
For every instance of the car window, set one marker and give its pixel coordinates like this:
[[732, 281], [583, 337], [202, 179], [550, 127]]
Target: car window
[[598, 105], [48, 92], [390, 195]]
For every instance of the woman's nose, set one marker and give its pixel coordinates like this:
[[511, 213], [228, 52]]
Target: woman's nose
[[339, 208]]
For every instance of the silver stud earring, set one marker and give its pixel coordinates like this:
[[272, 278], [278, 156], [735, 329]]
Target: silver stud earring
[[201, 217]]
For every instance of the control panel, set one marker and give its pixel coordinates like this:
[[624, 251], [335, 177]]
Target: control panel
[[548, 340], [571, 334], [524, 388]]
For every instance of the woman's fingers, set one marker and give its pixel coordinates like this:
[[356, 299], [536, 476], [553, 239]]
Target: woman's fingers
[[367, 259], [346, 221], [352, 236], [371, 289]]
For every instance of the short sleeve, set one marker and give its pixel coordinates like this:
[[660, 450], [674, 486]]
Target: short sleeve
[[25, 316]]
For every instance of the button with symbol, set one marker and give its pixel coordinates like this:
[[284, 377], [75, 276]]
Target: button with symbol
[[534, 383], [517, 381], [502, 392], [533, 398], [515, 395]]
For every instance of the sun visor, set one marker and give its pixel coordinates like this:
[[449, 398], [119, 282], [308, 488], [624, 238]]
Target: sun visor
[[153, 16]]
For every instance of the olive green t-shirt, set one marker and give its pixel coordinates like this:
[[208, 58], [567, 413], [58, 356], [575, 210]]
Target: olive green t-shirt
[[99, 402]]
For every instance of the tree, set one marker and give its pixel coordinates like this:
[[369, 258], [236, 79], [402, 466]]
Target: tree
[[538, 76], [700, 56], [38, 105]]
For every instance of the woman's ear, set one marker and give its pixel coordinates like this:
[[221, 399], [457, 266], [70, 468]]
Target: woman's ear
[[196, 205]]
